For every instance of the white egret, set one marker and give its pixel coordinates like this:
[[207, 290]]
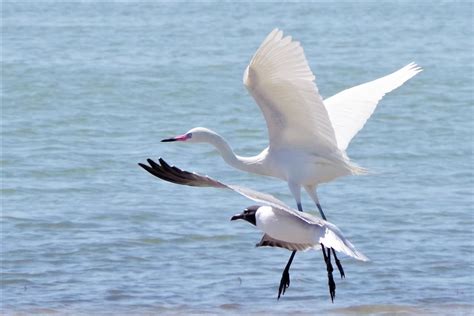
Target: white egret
[[282, 226], [308, 137]]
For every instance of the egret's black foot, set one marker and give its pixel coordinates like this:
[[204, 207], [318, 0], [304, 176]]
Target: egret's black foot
[[284, 282], [339, 265]]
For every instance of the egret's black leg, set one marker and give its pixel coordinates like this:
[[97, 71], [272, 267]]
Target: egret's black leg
[[331, 283], [300, 207], [338, 262], [285, 276], [321, 211]]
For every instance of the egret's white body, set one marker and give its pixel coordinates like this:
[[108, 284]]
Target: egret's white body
[[308, 137], [294, 165]]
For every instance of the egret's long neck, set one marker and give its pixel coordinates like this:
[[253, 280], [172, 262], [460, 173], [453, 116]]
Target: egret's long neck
[[253, 164]]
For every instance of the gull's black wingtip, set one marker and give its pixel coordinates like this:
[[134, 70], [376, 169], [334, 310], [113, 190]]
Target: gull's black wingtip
[[164, 163], [144, 166], [147, 168], [153, 164]]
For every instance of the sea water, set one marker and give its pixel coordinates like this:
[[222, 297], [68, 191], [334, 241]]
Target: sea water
[[90, 88]]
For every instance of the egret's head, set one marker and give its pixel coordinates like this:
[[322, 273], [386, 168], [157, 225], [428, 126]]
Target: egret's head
[[195, 135], [248, 214]]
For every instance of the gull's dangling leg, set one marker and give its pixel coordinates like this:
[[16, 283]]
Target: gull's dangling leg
[[329, 268], [314, 196], [285, 276]]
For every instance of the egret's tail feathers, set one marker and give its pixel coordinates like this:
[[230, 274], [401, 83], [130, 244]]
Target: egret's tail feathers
[[356, 170]]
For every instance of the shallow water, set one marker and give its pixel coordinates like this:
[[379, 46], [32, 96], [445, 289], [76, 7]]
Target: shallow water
[[90, 89]]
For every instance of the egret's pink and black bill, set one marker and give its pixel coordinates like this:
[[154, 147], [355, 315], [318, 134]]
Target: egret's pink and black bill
[[180, 138]]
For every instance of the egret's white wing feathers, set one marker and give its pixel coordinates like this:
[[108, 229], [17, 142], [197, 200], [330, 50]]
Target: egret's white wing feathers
[[281, 82], [350, 109]]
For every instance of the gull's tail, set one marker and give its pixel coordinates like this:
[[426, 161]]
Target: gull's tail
[[333, 238]]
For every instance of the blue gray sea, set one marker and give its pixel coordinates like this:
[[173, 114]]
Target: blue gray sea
[[90, 88]]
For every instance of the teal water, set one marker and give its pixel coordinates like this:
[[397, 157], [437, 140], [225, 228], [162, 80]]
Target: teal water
[[88, 90]]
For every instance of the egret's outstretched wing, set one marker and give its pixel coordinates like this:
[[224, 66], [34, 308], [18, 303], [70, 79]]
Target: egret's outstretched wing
[[173, 174], [281, 82], [350, 109]]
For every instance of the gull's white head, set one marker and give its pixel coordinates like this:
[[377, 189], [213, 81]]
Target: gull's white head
[[195, 135]]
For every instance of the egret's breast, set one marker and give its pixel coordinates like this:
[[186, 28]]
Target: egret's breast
[[303, 168]]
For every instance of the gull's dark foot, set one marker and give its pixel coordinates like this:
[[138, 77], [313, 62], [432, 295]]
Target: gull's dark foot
[[339, 265], [284, 283], [285, 277], [329, 268]]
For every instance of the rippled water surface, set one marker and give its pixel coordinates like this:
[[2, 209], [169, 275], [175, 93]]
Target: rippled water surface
[[89, 90]]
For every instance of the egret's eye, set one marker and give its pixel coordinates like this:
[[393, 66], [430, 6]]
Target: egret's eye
[[189, 135]]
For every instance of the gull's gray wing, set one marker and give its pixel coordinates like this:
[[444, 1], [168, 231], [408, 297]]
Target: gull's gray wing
[[332, 238], [173, 174], [272, 242], [328, 234]]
